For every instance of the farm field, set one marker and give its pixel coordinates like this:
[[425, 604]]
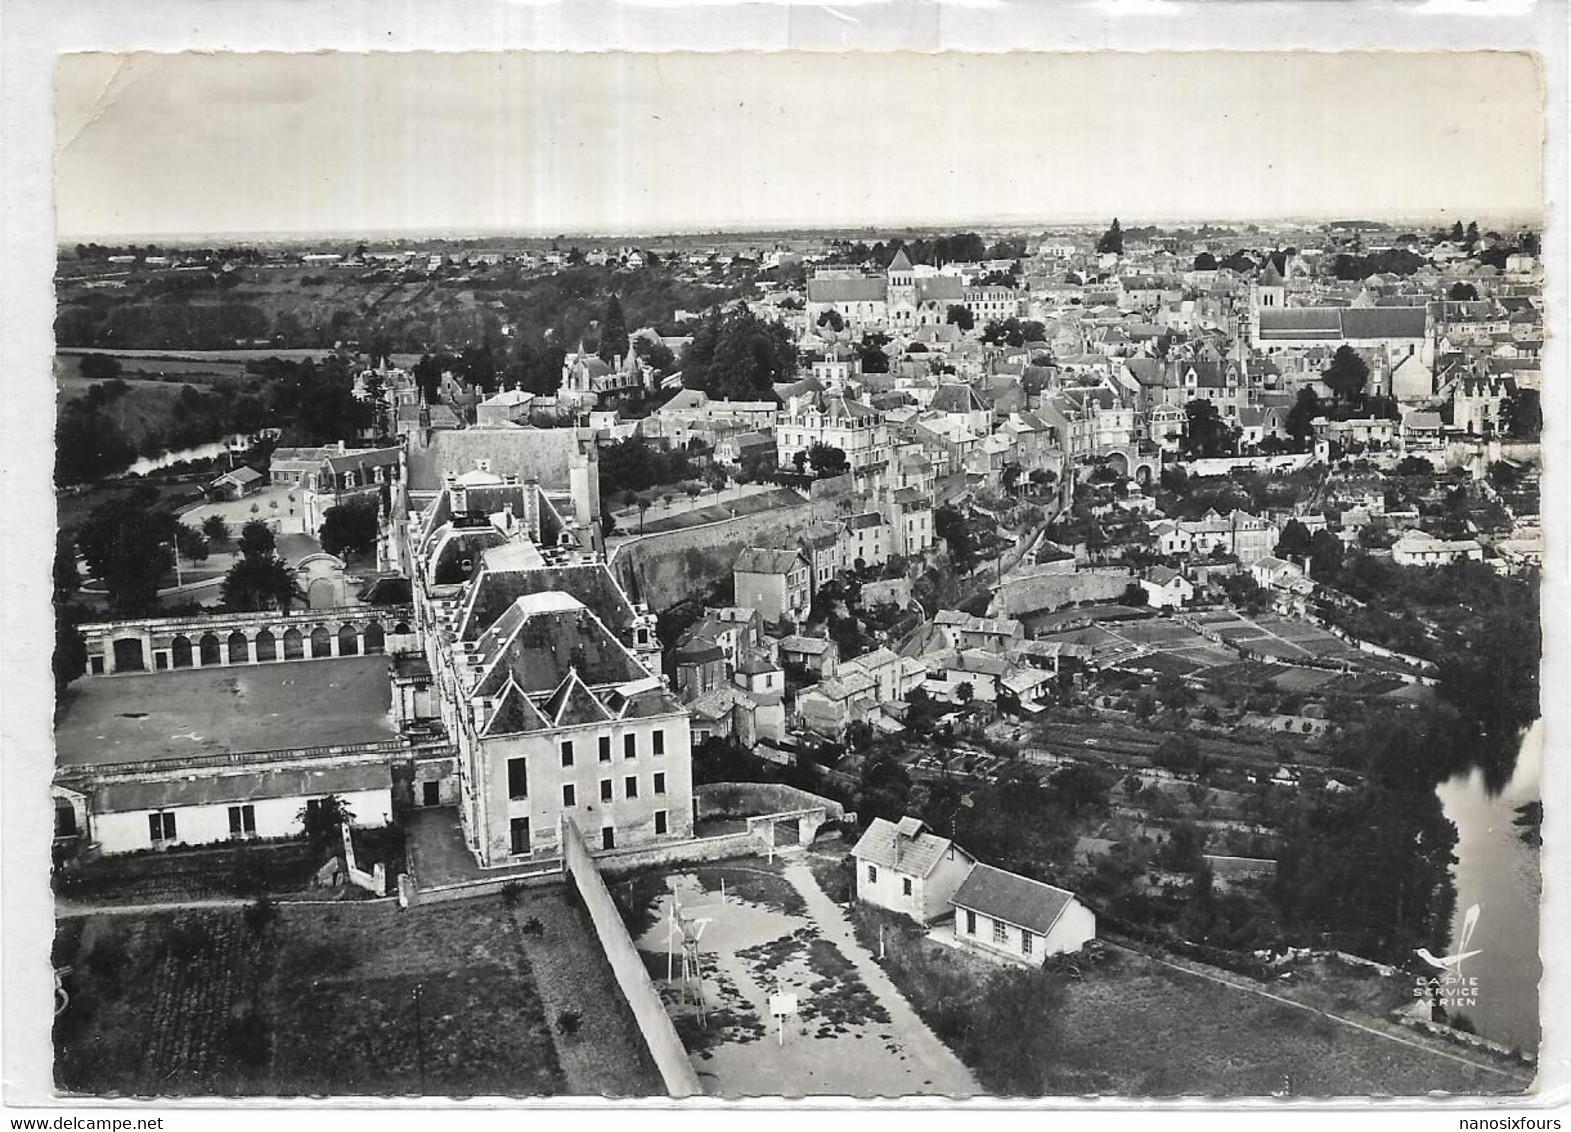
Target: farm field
[[321, 1000], [1211, 1037]]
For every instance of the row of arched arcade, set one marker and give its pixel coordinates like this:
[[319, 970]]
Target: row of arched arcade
[[127, 647]]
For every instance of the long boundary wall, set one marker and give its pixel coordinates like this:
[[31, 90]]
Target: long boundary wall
[[670, 1056]]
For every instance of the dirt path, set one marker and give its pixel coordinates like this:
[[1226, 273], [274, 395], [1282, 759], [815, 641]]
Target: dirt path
[[1525, 1079], [949, 1076]]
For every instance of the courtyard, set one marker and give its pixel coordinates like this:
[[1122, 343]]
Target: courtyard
[[201, 711], [764, 930]]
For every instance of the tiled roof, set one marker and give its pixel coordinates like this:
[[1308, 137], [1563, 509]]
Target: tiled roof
[[869, 288], [912, 854], [1014, 899], [286, 782], [760, 560]]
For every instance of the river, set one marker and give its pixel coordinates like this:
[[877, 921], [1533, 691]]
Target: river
[[1499, 872], [152, 463]]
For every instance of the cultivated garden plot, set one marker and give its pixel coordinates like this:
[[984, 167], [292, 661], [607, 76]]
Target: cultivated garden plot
[[303, 1000]]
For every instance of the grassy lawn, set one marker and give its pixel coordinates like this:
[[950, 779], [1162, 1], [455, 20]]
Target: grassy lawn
[[322, 1001], [1129, 1026]]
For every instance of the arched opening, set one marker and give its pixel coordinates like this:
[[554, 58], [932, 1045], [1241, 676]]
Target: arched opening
[[211, 652], [266, 646], [1143, 474], [348, 641], [375, 639], [322, 594], [321, 642], [180, 652], [65, 818], [1119, 463], [294, 644], [129, 656], [401, 627], [239, 648]]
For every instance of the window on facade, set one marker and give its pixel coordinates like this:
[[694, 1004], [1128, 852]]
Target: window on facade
[[660, 822], [970, 923], [659, 742], [1000, 932], [905, 885], [872, 874], [517, 778], [567, 752], [660, 783], [632, 786], [608, 838], [518, 835], [161, 826], [1025, 942], [605, 748], [242, 821], [630, 746], [605, 789], [569, 797]]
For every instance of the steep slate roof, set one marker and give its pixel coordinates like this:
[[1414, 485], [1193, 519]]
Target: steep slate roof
[[495, 592], [543, 639], [901, 262], [539, 453], [869, 288], [760, 560], [895, 847], [1014, 899], [1384, 322]]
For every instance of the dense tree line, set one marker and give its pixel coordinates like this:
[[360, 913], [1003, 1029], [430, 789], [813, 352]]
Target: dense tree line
[[737, 356]]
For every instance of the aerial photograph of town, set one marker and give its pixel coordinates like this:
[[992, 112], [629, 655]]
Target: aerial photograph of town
[[570, 583]]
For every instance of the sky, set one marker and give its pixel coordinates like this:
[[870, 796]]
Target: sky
[[538, 143]]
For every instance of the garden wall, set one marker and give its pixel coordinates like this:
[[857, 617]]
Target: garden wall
[[663, 569], [749, 799], [1041, 591], [670, 1056]]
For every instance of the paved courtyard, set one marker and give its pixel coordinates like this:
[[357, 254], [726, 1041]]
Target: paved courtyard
[[261, 707], [778, 932]]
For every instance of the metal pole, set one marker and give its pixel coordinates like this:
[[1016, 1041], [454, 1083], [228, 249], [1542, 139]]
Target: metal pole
[[419, 1041]]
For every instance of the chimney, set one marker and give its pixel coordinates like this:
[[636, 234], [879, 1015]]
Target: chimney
[[343, 447]]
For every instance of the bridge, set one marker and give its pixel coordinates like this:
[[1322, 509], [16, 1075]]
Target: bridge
[[224, 639]]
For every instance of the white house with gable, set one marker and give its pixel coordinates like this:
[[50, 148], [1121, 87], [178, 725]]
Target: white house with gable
[[909, 869]]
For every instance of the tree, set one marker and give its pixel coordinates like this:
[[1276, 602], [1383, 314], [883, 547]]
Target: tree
[[1205, 261], [70, 655], [99, 367], [736, 356], [259, 583], [954, 528], [1457, 235], [1300, 418], [1112, 240], [351, 527], [67, 578], [884, 790], [1294, 542], [1325, 555], [129, 549], [321, 819], [1206, 434], [961, 316], [832, 319], [257, 541], [1522, 415], [1472, 234], [827, 460], [215, 528], [1347, 374], [1080, 787], [613, 331], [1463, 292]]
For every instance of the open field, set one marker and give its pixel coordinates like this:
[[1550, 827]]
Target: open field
[[1130, 1025], [778, 932], [208, 710], [322, 1001]]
